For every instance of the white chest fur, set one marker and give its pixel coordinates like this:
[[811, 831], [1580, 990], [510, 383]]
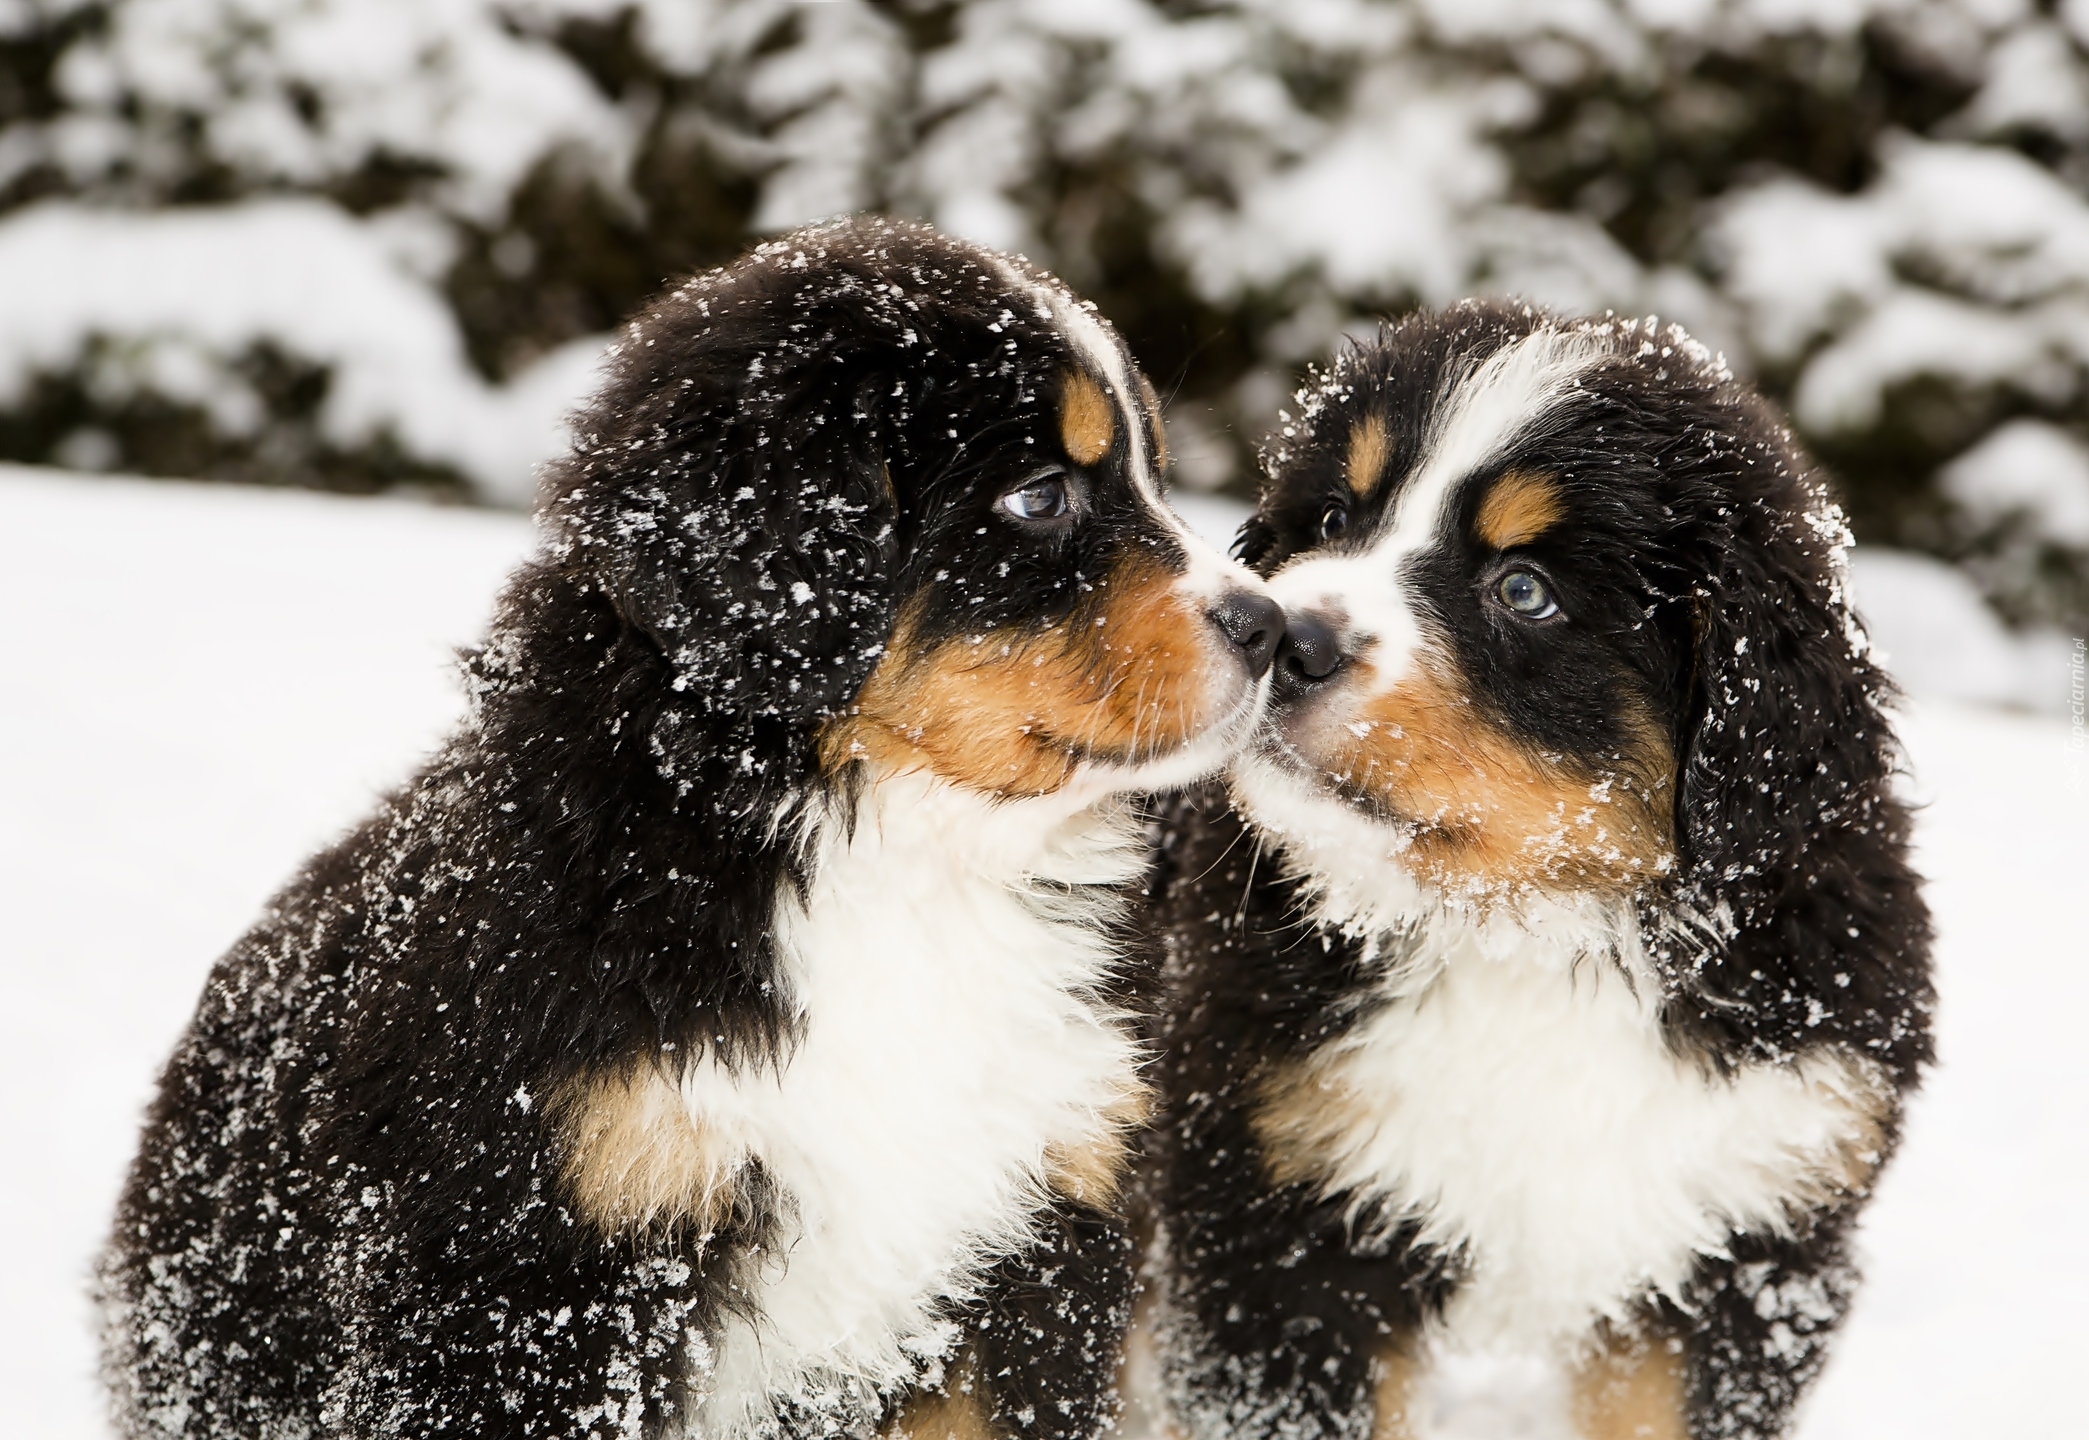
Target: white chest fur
[[1525, 1109], [951, 1036]]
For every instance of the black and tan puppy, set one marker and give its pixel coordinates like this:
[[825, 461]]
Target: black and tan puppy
[[720, 1036], [1552, 982]]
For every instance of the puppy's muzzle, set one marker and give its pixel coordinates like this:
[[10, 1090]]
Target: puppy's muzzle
[[1253, 625], [1309, 653]]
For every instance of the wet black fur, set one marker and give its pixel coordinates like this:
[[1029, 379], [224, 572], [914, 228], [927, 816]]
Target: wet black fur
[[1699, 593], [345, 1217]]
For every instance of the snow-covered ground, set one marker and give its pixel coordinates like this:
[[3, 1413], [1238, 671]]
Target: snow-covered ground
[[202, 684]]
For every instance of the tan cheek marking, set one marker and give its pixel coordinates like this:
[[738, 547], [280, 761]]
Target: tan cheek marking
[[1091, 1172], [1634, 1388], [1367, 452], [1486, 808], [1153, 420], [1521, 507], [635, 1159], [959, 1411], [1087, 422], [1123, 679]]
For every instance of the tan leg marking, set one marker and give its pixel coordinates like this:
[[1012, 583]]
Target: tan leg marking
[[1521, 507], [958, 1411], [1305, 1116], [1091, 1171], [1367, 452], [1396, 1395], [1864, 1099], [1087, 420], [1633, 1389], [634, 1156], [1146, 1408]]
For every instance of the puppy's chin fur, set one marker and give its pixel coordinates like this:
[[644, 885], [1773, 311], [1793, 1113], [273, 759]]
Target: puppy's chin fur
[[1205, 755], [1351, 861], [1359, 868]]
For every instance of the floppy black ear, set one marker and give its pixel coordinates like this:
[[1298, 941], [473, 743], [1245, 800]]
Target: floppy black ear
[[731, 496], [1792, 845]]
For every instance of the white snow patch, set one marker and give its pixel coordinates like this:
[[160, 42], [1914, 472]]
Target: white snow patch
[[206, 684], [1939, 639], [1916, 333], [1215, 518], [2003, 243], [307, 90], [2027, 467], [185, 292]]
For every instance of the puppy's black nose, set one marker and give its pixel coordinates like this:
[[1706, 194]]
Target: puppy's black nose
[[1310, 653], [1254, 623]]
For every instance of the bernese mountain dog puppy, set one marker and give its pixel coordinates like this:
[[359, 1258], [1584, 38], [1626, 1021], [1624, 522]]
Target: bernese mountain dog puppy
[[1551, 982], [724, 1034]]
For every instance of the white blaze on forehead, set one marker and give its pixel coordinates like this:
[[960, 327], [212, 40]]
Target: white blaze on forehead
[[1482, 416], [1479, 417]]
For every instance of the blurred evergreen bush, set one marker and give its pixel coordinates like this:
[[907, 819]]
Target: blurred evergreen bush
[[1876, 207]]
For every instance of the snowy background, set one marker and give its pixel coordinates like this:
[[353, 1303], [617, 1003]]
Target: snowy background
[[374, 246], [205, 683]]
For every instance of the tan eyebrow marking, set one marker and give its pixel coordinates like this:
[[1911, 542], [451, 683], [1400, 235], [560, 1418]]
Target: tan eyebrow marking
[[1521, 507], [1160, 431], [1367, 452], [1087, 422]]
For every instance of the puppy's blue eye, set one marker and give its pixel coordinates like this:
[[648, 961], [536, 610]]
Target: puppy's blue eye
[[1333, 521], [1526, 594], [1044, 498]]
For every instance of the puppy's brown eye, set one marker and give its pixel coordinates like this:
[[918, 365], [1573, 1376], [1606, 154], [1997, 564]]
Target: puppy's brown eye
[[1526, 594], [1333, 521], [1044, 498]]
